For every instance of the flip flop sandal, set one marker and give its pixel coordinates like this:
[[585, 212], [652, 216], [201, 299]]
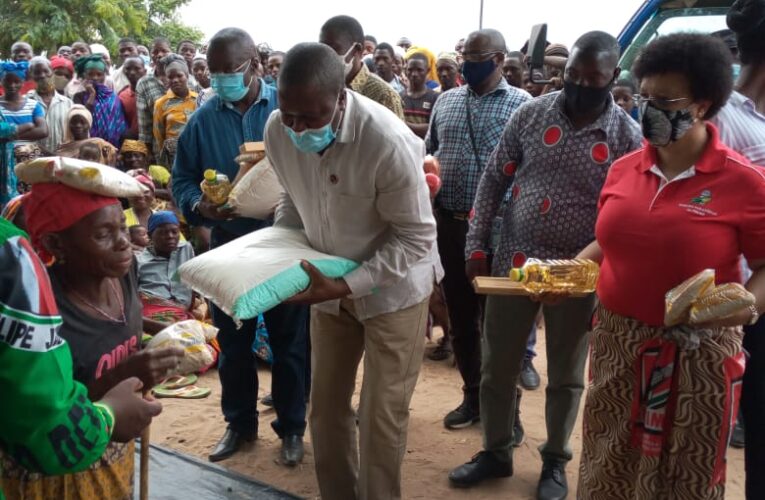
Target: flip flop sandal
[[188, 392], [177, 381]]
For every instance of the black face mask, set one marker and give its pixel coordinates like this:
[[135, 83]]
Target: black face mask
[[583, 99]]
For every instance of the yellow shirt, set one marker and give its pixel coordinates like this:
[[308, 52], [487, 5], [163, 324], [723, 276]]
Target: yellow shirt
[[171, 113]]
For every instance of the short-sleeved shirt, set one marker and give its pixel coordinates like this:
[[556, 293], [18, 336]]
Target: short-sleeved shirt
[[656, 234], [554, 173], [29, 111], [157, 275], [742, 128], [98, 344], [449, 140], [171, 114], [56, 115], [418, 110]]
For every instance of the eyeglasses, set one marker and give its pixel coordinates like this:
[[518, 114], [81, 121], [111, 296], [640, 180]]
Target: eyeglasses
[[659, 102], [478, 56]]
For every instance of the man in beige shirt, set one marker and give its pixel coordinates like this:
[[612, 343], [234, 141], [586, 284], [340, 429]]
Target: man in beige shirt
[[345, 36], [353, 180]]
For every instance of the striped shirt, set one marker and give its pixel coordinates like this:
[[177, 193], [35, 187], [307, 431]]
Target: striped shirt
[[55, 117], [29, 111], [449, 138], [148, 90], [742, 128], [418, 109]]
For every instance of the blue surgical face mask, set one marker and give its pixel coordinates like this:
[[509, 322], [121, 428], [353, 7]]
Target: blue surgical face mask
[[313, 140], [736, 71], [230, 86], [146, 60], [476, 72]]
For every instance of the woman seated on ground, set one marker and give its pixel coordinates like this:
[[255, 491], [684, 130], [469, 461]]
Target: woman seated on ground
[[109, 122], [165, 299], [134, 158], [661, 400], [94, 284], [141, 207], [79, 120]]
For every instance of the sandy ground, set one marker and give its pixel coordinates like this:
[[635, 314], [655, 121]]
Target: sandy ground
[[195, 426]]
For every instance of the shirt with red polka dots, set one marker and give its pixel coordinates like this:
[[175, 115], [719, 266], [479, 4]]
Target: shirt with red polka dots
[[555, 174]]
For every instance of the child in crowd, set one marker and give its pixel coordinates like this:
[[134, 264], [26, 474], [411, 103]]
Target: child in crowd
[[139, 237], [624, 96], [90, 151]]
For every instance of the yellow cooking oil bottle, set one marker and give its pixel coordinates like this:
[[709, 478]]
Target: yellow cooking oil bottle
[[569, 276], [216, 187]]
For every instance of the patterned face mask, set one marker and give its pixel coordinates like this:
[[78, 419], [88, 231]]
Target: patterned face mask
[[662, 127]]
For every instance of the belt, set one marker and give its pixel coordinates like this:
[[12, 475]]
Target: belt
[[461, 216]]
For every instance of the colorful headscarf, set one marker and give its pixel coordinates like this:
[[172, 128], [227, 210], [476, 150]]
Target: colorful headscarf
[[57, 62], [77, 110], [84, 63], [146, 181], [52, 208], [162, 217], [432, 72], [132, 146], [17, 68]]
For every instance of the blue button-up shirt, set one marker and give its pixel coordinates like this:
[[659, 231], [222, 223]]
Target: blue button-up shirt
[[211, 139]]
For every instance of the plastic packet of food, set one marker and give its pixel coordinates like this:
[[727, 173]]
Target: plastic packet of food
[[720, 302], [678, 301], [192, 336]]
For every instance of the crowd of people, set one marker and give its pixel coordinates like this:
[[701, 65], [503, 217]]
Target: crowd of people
[[651, 173]]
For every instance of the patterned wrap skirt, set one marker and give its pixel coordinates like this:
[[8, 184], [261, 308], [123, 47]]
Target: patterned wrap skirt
[[658, 415]]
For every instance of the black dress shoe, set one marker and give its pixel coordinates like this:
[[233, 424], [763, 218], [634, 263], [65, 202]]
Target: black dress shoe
[[292, 450], [230, 444], [267, 400], [529, 375], [484, 465], [552, 482]]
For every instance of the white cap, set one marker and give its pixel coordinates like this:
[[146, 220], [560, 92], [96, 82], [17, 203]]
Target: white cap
[[97, 48]]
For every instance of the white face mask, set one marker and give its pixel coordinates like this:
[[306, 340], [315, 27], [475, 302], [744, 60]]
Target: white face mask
[[348, 66]]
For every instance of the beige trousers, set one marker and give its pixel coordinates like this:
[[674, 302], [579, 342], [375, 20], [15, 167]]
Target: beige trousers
[[393, 346]]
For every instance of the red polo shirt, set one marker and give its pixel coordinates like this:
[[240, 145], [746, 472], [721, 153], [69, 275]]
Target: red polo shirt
[[655, 234]]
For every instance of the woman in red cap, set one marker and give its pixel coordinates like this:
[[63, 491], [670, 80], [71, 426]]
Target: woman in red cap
[[94, 283]]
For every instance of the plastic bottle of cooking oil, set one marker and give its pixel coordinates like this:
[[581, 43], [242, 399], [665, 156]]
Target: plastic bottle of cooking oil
[[571, 276], [216, 187]]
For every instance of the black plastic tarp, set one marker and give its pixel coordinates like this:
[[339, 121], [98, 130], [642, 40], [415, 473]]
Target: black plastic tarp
[[175, 476]]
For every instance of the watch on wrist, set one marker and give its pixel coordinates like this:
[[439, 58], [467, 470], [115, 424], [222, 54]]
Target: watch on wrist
[[755, 315]]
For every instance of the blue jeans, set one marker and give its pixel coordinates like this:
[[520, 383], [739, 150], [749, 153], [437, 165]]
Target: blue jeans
[[237, 367]]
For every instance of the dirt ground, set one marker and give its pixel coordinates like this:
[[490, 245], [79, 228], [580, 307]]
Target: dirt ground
[[194, 427]]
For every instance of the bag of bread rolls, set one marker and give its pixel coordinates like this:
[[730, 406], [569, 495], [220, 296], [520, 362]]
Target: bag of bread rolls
[[679, 300], [720, 302]]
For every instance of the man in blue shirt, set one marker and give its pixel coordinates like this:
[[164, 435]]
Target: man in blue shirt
[[211, 139]]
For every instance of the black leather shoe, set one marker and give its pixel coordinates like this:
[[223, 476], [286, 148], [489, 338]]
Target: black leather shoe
[[529, 375], [484, 465], [292, 450], [230, 444], [552, 482], [463, 416], [519, 435], [267, 400]]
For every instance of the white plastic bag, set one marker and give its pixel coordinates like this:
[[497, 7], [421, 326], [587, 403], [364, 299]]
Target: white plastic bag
[[192, 336], [258, 271], [80, 174], [257, 193]]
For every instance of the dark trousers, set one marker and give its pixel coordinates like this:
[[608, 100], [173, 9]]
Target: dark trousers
[[237, 367], [753, 410], [465, 307]]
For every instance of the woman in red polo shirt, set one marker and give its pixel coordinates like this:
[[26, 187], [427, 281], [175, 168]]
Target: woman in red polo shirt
[[659, 410]]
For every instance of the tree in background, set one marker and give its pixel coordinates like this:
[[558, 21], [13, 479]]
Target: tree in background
[[47, 24]]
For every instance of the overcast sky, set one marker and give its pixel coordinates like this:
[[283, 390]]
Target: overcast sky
[[435, 25]]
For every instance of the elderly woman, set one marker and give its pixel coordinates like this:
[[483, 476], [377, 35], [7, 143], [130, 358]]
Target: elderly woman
[[94, 284], [165, 299], [172, 110], [662, 400], [109, 121], [26, 113], [77, 133], [55, 106]]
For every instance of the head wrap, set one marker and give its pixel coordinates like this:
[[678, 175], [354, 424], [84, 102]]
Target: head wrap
[[97, 48], [450, 57], [432, 73], [404, 41], [52, 208], [146, 181], [180, 66], [556, 49], [84, 63], [162, 217], [77, 110], [57, 62], [132, 146], [17, 68]]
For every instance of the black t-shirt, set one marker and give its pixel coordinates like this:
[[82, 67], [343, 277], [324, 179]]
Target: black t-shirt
[[98, 344], [418, 110]]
